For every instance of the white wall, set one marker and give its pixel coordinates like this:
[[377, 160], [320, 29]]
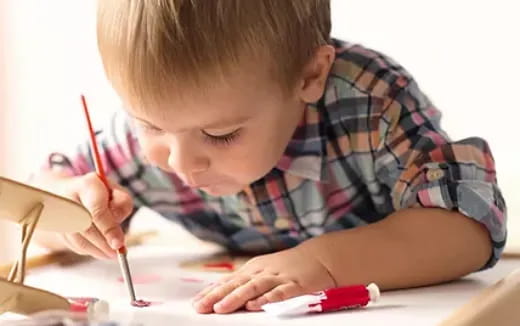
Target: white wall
[[52, 58], [49, 57], [7, 230], [463, 53]]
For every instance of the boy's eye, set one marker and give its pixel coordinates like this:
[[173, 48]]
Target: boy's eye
[[223, 139], [150, 128]]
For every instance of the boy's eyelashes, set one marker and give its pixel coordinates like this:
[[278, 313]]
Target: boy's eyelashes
[[216, 139], [223, 139], [150, 128]]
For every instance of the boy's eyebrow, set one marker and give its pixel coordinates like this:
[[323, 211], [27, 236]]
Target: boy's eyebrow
[[215, 125]]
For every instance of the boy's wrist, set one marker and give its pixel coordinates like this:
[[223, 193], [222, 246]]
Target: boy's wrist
[[315, 249]]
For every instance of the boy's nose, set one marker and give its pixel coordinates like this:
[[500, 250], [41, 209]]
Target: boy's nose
[[187, 165]]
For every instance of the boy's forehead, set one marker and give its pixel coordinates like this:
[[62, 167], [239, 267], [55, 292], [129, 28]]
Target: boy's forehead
[[176, 116], [220, 104]]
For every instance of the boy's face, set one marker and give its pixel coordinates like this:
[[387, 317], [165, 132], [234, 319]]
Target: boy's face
[[221, 140]]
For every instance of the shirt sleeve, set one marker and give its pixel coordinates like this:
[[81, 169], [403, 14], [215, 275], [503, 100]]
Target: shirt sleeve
[[422, 167]]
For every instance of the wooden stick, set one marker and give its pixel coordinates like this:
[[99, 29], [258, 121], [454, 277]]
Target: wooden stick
[[17, 273]]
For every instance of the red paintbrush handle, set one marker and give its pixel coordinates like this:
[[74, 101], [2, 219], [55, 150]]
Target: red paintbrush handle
[[95, 151]]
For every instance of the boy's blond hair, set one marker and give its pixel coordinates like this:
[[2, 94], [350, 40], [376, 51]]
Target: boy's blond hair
[[150, 47]]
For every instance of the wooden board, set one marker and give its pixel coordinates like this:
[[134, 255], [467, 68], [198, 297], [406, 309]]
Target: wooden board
[[27, 300], [496, 305], [59, 214]]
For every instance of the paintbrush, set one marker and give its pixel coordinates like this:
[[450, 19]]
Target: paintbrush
[[121, 252]]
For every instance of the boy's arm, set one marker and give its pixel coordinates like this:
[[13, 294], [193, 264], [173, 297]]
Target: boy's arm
[[449, 217], [411, 247], [423, 168]]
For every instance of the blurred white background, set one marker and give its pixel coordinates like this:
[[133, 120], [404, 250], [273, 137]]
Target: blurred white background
[[463, 53]]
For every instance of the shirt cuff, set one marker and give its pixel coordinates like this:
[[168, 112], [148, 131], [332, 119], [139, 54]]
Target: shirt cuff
[[476, 199]]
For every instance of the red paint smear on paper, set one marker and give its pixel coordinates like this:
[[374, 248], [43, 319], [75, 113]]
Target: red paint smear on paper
[[225, 265], [140, 303], [143, 303], [142, 279], [191, 280]]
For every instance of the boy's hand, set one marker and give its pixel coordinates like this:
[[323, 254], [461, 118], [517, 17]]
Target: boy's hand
[[268, 278], [105, 235]]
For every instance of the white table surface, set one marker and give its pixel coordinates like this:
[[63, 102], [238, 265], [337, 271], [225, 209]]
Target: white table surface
[[422, 306]]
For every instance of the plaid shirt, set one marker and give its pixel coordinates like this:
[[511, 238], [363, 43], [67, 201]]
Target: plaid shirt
[[370, 146]]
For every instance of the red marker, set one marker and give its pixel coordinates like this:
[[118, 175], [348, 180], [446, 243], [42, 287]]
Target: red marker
[[348, 297], [95, 309]]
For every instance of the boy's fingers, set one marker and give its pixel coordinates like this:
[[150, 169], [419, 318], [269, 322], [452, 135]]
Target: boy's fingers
[[210, 287], [97, 239], [256, 304], [242, 294], [121, 205], [253, 305], [205, 305], [205, 291], [95, 199], [279, 293], [77, 243]]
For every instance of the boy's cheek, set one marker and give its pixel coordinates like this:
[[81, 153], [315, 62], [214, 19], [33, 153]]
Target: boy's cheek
[[251, 161], [156, 155]]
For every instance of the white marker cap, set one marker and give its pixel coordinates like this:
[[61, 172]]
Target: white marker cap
[[98, 310], [373, 292]]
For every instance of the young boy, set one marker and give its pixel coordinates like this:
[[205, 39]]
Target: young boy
[[251, 127]]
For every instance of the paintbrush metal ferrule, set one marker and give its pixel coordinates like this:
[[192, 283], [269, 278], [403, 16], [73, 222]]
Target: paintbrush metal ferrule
[[125, 270]]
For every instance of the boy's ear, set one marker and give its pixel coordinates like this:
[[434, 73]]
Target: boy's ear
[[315, 73]]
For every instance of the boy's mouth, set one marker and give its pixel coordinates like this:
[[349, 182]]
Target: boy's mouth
[[200, 186], [218, 189]]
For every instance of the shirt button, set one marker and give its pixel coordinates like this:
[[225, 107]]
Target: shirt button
[[434, 174], [281, 223]]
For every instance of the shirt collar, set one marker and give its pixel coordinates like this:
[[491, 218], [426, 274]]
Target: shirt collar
[[305, 155]]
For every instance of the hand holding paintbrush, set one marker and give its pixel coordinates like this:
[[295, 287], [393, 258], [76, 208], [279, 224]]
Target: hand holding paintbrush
[[115, 243]]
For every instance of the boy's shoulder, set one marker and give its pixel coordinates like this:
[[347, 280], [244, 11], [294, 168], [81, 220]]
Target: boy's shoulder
[[361, 71]]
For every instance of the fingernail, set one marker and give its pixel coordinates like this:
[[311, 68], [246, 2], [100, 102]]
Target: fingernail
[[115, 244], [219, 305], [199, 305]]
